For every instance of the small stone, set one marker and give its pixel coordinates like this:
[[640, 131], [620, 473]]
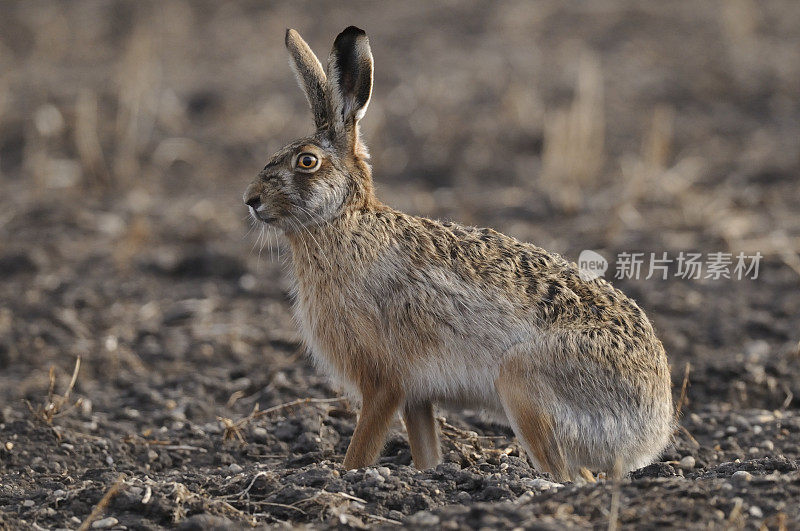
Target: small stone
[[742, 475], [373, 474], [59, 493], [741, 421], [687, 463], [28, 503], [260, 434], [105, 523], [463, 497], [423, 518], [730, 430], [756, 512], [541, 484], [766, 417], [768, 445], [235, 468], [384, 471]]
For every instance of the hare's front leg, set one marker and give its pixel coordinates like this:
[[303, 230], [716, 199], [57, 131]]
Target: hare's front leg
[[377, 411], [422, 436]]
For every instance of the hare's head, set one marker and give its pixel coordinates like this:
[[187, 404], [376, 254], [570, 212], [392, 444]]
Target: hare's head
[[323, 176]]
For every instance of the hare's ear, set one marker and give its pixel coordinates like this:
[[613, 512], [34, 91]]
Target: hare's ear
[[310, 76], [350, 80]]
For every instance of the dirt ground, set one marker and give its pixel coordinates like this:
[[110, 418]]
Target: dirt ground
[[129, 130]]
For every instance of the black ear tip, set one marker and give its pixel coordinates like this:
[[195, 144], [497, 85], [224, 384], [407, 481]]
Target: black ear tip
[[351, 32]]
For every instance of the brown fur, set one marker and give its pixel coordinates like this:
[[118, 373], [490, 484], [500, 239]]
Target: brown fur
[[407, 312], [422, 435]]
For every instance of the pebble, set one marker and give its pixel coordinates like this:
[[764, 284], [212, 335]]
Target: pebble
[[687, 463], [59, 493], [105, 523], [260, 434], [424, 518], [372, 473], [756, 512], [741, 421], [765, 418], [742, 475], [384, 471], [768, 445], [541, 484], [28, 503], [235, 468]]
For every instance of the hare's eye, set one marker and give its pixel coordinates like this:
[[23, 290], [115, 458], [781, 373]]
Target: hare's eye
[[307, 161]]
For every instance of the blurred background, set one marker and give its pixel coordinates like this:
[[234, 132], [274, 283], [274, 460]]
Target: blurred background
[[129, 130]]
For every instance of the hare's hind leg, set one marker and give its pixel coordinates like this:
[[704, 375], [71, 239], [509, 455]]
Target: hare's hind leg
[[377, 411], [587, 475], [422, 436], [531, 423]]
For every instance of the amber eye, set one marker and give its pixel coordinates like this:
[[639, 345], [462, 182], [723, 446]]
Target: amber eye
[[307, 161]]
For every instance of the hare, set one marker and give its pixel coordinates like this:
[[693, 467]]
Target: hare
[[406, 312]]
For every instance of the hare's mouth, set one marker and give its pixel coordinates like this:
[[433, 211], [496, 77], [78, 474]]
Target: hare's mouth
[[261, 215]]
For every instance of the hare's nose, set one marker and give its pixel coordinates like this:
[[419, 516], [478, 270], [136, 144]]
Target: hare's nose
[[253, 202]]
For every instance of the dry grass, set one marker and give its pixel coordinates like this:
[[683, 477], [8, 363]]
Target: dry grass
[[87, 139], [103, 503], [574, 139], [684, 387], [56, 405], [233, 429], [649, 171], [139, 82]]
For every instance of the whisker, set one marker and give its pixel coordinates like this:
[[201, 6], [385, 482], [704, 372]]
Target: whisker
[[269, 242], [321, 250], [278, 245], [308, 253], [255, 243], [252, 226], [263, 241]]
